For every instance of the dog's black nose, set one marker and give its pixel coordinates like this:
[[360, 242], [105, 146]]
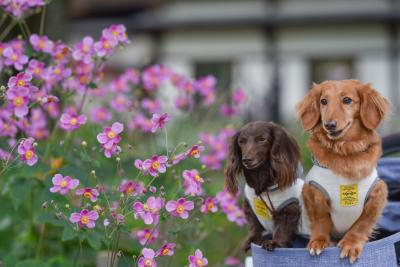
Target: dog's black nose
[[246, 161], [330, 125]]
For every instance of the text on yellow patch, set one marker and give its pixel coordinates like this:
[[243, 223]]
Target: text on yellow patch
[[349, 195]]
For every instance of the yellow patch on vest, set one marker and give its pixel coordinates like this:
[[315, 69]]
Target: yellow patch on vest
[[349, 195], [261, 209]]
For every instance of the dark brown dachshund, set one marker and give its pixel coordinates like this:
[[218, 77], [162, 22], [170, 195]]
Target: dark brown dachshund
[[267, 156]]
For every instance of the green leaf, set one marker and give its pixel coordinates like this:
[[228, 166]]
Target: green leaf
[[10, 260], [84, 156], [28, 263], [94, 239], [93, 85], [96, 163], [68, 234], [49, 218], [20, 188]]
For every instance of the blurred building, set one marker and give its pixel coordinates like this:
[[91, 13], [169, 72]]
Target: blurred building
[[273, 49]]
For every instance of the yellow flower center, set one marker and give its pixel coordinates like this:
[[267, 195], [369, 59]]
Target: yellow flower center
[[147, 236], [106, 45], [6, 126], [63, 183], [115, 33], [180, 209], [148, 262], [210, 206], [120, 100], [87, 194], [41, 44], [85, 219], [57, 71], [155, 165], [18, 101], [111, 134], [14, 57], [194, 152], [21, 83], [37, 71], [165, 251], [199, 263], [73, 121], [146, 207], [85, 48], [129, 190], [197, 178], [29, 154], [60, 56], [83, 79]]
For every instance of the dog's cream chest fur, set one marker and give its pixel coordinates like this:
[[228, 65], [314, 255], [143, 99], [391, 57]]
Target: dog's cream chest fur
[[279, 199], [347, 197]]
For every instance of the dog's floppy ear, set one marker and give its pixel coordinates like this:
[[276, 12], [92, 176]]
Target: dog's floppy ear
[[308, 108], [373, 107], [284, 157], [234, 165]]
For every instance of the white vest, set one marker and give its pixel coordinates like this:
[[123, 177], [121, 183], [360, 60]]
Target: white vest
[[279, 199], [346, 197]]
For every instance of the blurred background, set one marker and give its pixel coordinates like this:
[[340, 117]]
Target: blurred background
[[274, 49]]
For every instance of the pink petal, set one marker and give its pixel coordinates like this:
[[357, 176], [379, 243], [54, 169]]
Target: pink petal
[[102, 138], [171, 205], [75, 217], [117, 127], [93, 215], [57, 179]]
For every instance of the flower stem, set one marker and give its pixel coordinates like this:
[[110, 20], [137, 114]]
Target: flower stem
[[39, 245], [42, 19], [3, 18], [21, 27], [166, 140], [7, 30], [28, 31]]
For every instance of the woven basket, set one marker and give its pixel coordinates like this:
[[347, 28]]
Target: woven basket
[[381, 253]]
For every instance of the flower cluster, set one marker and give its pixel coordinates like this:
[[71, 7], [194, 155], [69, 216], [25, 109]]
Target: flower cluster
[[110, 138], [238, 97], [218, 145], [17, 8], [149, 211], [153, 166], [46, 98], [228, 205], [26, 150], [192, 182], [19, 93]]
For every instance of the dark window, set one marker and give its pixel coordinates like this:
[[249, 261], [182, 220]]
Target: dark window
[[331, 69]]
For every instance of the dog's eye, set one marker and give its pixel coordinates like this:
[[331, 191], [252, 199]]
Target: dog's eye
[[347, 100], [242, 141], [324, 102], [261, 139]]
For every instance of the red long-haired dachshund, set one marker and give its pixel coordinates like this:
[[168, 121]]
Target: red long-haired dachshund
[[342, 117]]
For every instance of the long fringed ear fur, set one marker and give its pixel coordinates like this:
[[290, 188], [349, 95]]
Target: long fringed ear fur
[[284, 157], [373, 107], [234, 165], [308, 108]]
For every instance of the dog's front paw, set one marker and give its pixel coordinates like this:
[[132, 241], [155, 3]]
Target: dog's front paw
[[270, 245], [351, 247], [316, 246]]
